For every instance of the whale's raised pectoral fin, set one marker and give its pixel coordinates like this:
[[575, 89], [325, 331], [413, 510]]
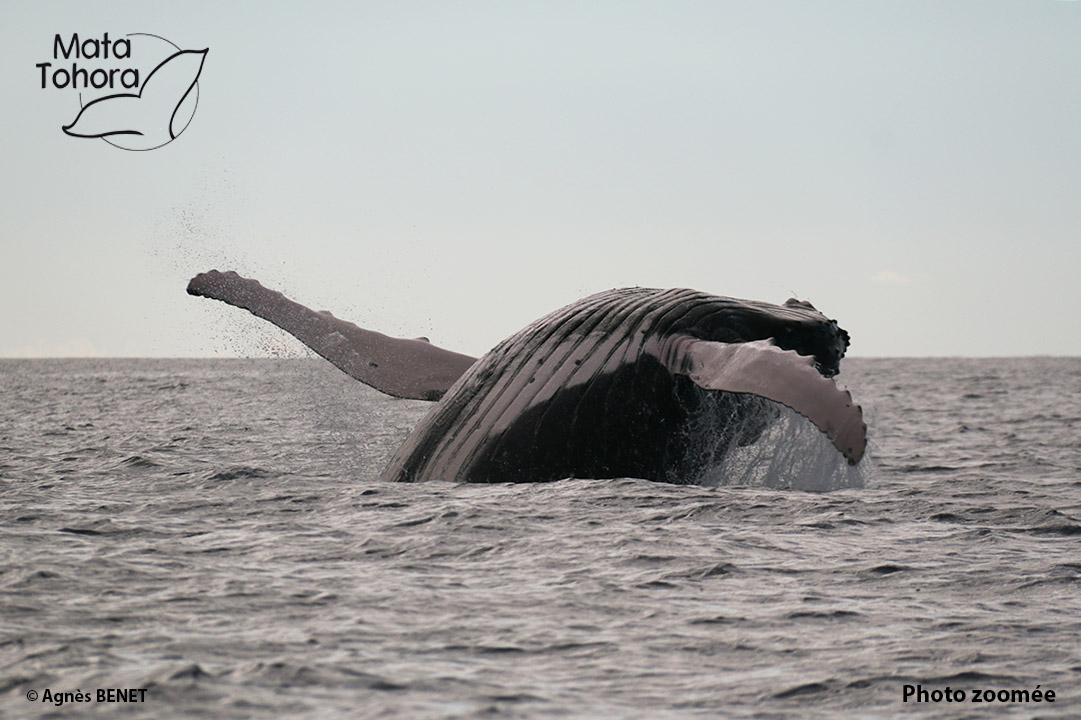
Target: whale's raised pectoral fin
[[784, 376], [413, 369]]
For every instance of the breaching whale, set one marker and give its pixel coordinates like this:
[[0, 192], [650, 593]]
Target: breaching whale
[[609, 386]]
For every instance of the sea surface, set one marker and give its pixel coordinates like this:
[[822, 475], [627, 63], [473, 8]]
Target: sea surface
[[214, 532]]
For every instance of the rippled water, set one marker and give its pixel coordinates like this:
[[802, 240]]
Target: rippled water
[[213, 531]]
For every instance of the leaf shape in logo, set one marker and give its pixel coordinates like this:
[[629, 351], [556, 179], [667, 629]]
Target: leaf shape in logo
[[149, 119]]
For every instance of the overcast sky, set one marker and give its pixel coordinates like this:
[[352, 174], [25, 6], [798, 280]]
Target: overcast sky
[[457, 169]]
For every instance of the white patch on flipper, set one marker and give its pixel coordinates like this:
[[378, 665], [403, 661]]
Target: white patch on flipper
[[784, 376]]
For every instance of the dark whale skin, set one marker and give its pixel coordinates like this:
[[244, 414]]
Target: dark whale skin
[[588, 391], [634, 382]]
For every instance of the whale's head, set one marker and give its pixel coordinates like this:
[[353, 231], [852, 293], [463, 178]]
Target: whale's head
[[797, 325]]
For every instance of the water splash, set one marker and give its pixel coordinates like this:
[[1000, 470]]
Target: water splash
[[789, 452]]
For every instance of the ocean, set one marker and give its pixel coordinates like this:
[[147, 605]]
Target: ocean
[[209, 539]]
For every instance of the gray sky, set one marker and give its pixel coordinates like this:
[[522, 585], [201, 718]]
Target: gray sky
[[457, 169]]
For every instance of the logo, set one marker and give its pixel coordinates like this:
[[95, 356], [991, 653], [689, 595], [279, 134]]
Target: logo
[[137, 92]]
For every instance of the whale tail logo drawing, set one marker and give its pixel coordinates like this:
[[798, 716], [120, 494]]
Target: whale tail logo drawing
[[157, 114], [150, 114]]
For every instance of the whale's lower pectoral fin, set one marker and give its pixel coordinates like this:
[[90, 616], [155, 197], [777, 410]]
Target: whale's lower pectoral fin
[[784, 376], [413, 369]]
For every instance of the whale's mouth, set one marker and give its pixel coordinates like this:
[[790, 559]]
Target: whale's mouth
[[825, 342]]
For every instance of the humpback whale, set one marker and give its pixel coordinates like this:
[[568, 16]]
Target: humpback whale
[[609, 386]]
